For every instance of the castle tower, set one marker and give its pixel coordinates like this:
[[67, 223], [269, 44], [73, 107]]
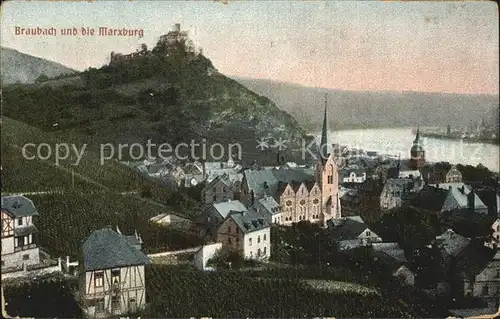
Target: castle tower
[[417, 153], [327, 176]]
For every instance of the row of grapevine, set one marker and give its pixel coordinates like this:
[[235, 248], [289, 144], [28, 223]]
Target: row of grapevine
[[22, 175], [235, 294], [66, 219], [112, 174]]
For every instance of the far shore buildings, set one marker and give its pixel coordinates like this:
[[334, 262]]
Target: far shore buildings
[[113, 280], [303, 193], [19, 242]]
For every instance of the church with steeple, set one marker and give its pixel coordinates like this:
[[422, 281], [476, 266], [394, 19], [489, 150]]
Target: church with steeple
[[417, 153], [302, 193]]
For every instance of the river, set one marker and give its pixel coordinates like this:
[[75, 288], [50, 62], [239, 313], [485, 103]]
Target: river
[[399, 141]]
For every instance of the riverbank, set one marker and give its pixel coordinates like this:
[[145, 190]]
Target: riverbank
[[457, 137]]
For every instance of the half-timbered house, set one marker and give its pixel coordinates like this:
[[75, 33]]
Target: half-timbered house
[[19, 246], [113, 280]]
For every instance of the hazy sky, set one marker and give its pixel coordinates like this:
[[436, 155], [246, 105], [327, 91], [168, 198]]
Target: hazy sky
[[368, 45]]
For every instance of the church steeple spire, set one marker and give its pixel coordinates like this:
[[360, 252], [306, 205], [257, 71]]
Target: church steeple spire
[[325, 148], [417, 137]]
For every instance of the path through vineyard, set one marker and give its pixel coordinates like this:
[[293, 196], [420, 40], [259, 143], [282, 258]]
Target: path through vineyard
[[67, 170]]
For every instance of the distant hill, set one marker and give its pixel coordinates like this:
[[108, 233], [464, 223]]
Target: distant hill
[[18, 67], [353, 109]]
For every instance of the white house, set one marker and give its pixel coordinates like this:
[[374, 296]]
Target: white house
[[113, 280], [410, 174], [353, 175], [204, 254], [18, 233], [173, 220], [247, 232]]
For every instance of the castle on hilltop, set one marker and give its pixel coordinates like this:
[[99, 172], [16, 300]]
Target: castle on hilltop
[[171, 43]]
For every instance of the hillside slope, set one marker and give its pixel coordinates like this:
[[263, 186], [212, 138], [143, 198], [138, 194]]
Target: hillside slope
[[354, 109], [163, 98], [18, 67]]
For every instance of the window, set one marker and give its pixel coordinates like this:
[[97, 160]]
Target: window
[[265, 250], [258, 239], [265, 237], [99, 306], [368, 233], [237, 230], [115, 276], [229, 229], [20, 241], [99, 280], [20, 221], [498, 274], [330, 179], [26, 257], [259, 253], [250, 241], [229, 241], [485, 290]]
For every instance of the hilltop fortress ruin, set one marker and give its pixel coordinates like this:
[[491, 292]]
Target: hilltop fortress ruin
[[173, 42]]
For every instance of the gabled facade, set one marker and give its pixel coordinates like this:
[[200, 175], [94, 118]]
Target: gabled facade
[[19, 247], [453, 175], [269, 209], [113, 277], [218, 190], [204, 254], [351, 232], [398, 191], [248, 233]]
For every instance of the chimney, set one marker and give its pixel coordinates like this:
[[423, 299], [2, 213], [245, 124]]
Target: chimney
[[470, 200]]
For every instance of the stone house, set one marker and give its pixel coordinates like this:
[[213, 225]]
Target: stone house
[[398, 191], [219, 189], [477, 275], [247, 232]]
